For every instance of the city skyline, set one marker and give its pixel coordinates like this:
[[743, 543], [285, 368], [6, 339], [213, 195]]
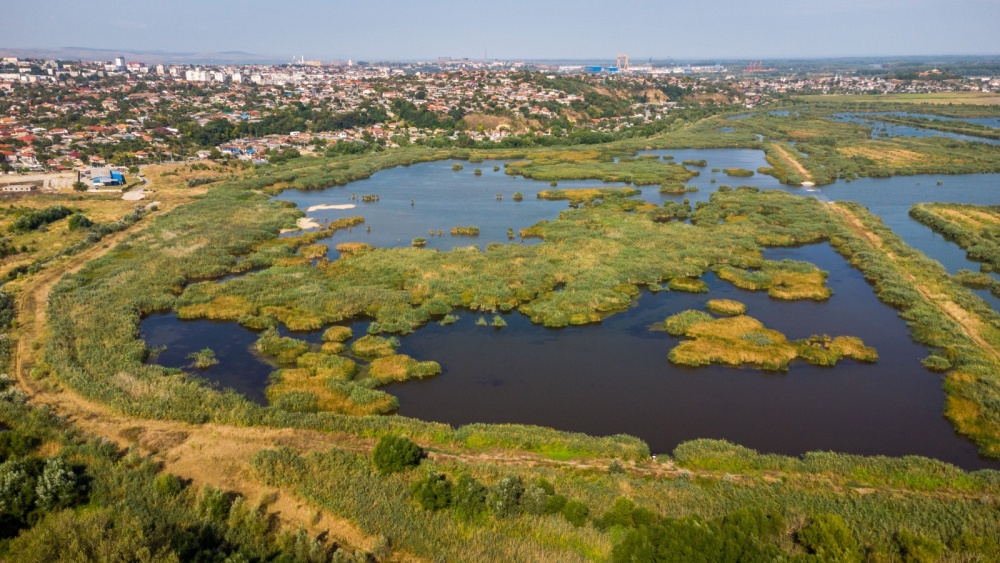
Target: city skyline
[[517, 29]]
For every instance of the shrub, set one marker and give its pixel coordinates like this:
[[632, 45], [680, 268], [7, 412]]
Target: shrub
[[828, 537], [57, 485], [918, 549], [167, 485], [78, 221], [534, 499], [214, 504], [395, 453], [469, 498], [505, 496], [433, 492], [575, 512]]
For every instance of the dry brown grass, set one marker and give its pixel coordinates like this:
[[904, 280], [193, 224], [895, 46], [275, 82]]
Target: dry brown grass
[[891, 156], [400, 367], [223, 307], [734, 341], [352, 247], [337, 334], [726, 307]]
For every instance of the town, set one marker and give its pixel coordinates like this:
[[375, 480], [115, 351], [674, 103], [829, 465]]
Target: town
[[61, 116]]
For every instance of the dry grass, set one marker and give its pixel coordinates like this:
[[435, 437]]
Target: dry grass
[[223, 307], [726, 307], [337, 334], [585, 195], [401, 367], [745, 341], [781, 282], [352, 247], [891, 156], [734, 341]]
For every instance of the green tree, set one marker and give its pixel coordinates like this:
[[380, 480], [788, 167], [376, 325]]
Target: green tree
[[395, 453]]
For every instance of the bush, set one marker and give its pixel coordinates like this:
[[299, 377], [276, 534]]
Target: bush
[[433, 492], [395, 453], [505, 496], [575, 512], [78, 221], [167, 485], [469, 498], [534, 500], [829, 538], [918, 549], [57, 485]]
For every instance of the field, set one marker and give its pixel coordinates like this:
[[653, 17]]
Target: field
[[482, 491]]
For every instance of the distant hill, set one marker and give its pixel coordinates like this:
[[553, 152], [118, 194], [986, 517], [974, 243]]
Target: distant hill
[[150, 57]]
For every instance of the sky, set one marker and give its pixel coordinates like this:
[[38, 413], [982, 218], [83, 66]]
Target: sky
[[377, 30]]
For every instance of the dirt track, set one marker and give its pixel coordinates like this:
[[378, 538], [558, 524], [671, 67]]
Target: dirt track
[[793, 162]]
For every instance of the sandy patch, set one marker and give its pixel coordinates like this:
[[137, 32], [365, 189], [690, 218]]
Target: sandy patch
[[302, 224], [330, 206]]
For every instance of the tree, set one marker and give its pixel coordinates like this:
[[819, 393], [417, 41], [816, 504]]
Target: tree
[[395, 453], [57, 487], [79, 186]]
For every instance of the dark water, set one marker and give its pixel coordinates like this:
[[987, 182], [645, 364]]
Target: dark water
[[238, 368], [884, 129], [615, 377]]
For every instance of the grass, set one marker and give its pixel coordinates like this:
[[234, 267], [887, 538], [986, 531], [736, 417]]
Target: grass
[[974, 228], [580, 196], [599, 165], [337, 334], [469, 231], [726, 307], [370, 346], [352, 247], [786, 279], [400, 367], [744, 341], [203, 359]]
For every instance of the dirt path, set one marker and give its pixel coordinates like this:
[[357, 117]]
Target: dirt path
[[793, 162], [969, 322]]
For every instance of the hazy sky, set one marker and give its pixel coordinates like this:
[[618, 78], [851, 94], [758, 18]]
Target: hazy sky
[[511, 29]]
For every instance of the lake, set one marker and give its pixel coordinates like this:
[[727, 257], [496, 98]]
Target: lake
[[614, 377]]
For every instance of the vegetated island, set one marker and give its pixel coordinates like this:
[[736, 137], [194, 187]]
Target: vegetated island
[[744, 341]]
